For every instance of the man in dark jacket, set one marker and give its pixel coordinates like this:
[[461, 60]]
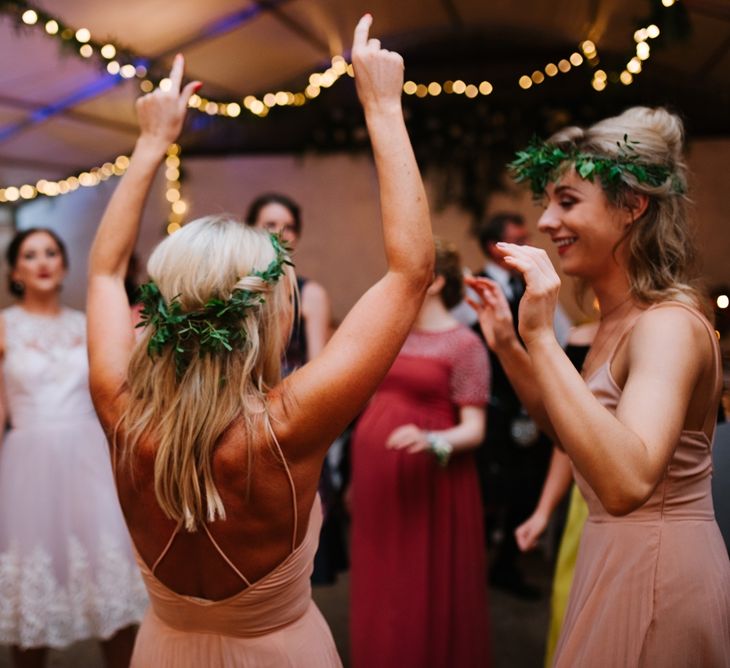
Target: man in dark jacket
[[514, 457]]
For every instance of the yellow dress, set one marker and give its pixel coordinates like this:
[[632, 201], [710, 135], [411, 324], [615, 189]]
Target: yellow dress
[[567, 554]]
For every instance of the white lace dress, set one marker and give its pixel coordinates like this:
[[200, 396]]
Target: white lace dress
[[67, 570]]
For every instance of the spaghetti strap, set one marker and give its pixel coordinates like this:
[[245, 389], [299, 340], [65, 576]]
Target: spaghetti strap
[[622, 337], [167, 547], [226, 559], [291, 483]]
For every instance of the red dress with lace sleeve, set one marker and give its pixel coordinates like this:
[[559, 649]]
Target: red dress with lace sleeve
[[418, 582]]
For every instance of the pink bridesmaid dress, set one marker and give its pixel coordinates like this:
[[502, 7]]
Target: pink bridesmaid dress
[[652, 588], [270, 622]]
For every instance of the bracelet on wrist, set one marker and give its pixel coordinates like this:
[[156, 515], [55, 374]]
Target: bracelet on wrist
[[440, 447]]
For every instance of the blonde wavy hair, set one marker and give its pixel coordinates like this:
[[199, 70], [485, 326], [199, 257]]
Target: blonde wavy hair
[[186, 415], [661, 246]]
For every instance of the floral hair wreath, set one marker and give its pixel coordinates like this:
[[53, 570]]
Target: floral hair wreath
[[215, 327], [541, 161]]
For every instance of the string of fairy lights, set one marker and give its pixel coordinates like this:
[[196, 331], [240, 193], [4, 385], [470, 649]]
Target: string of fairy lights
[[122, 62], [178, 206]]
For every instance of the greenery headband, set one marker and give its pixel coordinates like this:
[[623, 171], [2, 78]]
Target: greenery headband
[[540, 164], [215, 327]]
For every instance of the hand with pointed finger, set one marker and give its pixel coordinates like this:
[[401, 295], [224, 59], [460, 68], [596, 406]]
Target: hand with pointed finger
[[408, 437], [493, 311], [542, 287], [378, 72], [161, 113]]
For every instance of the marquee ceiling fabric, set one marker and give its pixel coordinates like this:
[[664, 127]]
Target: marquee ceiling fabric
[[60, 113]]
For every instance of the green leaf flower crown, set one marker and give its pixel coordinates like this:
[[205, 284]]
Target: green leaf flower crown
[[540, 164], [214, 328]]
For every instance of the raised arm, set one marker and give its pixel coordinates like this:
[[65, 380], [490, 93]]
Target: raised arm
[[110, 337], [329, 391]]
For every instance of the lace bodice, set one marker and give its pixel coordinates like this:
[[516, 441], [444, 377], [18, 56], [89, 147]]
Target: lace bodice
[[463, 353], [45, 368]]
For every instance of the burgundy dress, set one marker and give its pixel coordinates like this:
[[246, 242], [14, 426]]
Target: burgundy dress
[[419, 591]]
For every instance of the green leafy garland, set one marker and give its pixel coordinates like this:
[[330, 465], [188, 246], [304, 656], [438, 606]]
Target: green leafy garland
[[214, 328], [541, 162]]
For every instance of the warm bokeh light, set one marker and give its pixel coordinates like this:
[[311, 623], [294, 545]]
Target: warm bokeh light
[[634, 66]]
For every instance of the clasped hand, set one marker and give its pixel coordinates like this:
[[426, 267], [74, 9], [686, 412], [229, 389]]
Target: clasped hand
[[408, 437]]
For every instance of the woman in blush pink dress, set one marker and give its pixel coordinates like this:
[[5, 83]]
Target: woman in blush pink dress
[[218, 458], [418, 574], [652, 577]]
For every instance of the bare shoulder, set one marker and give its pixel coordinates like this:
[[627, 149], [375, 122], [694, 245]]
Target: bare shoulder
[[313, 294], [672, 331]]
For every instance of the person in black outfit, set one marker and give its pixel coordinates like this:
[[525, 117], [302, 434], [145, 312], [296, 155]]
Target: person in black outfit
[[514, 457], [279, 214]]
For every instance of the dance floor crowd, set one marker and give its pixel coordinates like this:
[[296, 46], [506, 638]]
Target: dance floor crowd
[[186, 458]]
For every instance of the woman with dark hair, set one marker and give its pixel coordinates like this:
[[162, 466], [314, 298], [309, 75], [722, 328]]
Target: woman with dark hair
[[418, 574], [652, 578], [219, 457], [279, 214], [67, 571]]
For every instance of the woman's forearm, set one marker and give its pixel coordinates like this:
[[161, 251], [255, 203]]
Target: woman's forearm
[[610, 456], [468, 434], [117, 233], [517, 364], [404, 206], [557, 483]]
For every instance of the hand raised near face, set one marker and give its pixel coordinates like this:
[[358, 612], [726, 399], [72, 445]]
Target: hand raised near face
[[493, 311], [161, 113], [542, 287], [378, 72]]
